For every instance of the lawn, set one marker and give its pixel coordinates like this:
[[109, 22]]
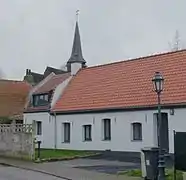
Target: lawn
[[169, 174], [51, 153]]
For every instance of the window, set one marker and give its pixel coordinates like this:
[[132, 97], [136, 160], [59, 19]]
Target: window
[[38, 127], [66, 132], [87, 129], [46, 97], [107, 129], [137, 131], [35, 100], [40, 100]]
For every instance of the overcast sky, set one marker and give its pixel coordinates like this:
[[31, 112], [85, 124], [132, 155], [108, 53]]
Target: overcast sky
[[37, 33]]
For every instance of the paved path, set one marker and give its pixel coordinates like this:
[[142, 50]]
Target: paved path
[[103, 166], [11, 173], [65, 169]]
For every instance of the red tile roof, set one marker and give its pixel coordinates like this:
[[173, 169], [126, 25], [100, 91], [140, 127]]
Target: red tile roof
[[126, 84], [52, 83], [13, 97]]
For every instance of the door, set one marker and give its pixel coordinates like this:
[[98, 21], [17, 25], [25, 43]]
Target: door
[[180, 150], [164, 131]]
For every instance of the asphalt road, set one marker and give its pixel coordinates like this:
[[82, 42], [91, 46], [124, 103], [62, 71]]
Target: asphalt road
[[11, 173]]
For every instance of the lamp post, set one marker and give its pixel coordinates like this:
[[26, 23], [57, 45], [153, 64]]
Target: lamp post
[[158, 87]]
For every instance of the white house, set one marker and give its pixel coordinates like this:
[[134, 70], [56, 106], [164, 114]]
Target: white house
[[113, 106]]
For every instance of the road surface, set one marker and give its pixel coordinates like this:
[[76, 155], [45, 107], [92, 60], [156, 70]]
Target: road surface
[[11, 173]]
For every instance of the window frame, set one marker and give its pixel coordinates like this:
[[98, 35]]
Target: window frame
[[40, 97], [64, 139], [106, 135], [38, 130], [89, 126], [137, 136]]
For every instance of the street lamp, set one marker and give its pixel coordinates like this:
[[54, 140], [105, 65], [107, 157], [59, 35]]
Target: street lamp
[[158, 87]]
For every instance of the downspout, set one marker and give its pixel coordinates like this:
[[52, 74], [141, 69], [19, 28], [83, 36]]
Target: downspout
[[55, 132]]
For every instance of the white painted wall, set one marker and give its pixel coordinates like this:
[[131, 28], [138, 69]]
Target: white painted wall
[[121, 133], [120, 130], [75, 67], [48, 125]]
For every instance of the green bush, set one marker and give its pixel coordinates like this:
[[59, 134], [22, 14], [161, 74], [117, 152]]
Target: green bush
[[135, 173], [169, 173], [5, 120]]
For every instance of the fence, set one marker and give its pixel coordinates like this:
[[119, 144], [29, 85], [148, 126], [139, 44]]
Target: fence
[[17, 140]]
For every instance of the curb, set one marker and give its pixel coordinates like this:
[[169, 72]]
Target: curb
[[34, 170], [64, 159]]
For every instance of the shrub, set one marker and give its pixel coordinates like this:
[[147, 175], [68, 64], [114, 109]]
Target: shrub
[[5, 120]]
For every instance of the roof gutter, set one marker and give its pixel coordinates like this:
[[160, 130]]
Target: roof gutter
[[36, 111]]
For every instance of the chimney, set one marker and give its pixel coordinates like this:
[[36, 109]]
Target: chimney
[[28, 77], [27, 72]]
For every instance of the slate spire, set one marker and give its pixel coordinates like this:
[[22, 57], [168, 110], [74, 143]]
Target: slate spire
[[76, 55]]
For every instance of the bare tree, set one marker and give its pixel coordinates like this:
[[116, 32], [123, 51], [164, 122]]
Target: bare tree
[[176, 44]]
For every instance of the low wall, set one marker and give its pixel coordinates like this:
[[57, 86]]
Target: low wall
[[17, 141]]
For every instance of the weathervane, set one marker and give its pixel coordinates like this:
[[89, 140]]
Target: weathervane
[[77, 15]]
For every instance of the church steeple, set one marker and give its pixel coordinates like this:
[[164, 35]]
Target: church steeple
[[76, 55]]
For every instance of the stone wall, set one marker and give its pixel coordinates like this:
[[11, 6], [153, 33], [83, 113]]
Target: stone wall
[[16, 140]]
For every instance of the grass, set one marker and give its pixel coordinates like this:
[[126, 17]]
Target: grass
[[61, 154], [133, 173], [169, 173]]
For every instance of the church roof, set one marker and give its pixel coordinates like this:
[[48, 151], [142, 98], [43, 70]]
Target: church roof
[[76, 55], [126, 84]]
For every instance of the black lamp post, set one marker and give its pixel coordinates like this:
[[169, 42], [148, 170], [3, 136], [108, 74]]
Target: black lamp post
[[158, 87]]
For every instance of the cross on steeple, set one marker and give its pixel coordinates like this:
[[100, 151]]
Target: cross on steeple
[[77, 15]]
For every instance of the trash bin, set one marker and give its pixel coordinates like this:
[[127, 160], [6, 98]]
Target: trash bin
[[149, 163]]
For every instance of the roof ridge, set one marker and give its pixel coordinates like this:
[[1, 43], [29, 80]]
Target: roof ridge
[[135, 59], [52, 67], [61, 74]]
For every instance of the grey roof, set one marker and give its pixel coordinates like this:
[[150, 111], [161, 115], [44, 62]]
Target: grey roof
[[76, 55], [37, 77], [49, 70]]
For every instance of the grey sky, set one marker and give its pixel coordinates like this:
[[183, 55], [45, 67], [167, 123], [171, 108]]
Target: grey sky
[[37, 33]]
